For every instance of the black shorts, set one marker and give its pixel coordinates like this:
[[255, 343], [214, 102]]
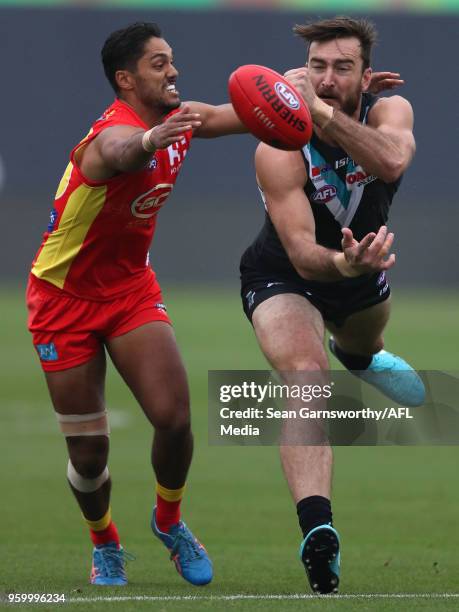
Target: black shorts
[[335, 301]]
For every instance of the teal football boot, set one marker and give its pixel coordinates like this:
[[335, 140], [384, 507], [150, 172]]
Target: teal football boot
[[393, 376], [320, 555]]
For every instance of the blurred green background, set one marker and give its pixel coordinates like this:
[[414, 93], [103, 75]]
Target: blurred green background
[[395, 507]]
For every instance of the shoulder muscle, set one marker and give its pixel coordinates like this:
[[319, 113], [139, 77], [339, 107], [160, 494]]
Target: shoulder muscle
[[393, 112]]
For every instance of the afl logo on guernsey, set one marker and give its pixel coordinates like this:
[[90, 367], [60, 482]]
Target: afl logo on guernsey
[[325, 194], [149, 203], [287, 95]]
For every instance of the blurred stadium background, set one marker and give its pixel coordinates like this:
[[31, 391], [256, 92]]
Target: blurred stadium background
[[53, 89]]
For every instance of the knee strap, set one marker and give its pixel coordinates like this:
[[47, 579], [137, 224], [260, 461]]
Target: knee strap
[[86, 485], [92, 424]]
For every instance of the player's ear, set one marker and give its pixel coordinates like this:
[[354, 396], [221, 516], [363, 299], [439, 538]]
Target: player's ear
[[124, 79], [366, 78]]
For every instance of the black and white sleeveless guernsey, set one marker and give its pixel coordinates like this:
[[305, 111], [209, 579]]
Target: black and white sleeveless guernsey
[[341, 194]]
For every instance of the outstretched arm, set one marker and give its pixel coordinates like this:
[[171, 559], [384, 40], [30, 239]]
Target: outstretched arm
[[125, 148], [217, 121], [282, 176]]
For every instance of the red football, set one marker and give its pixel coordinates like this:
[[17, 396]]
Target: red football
[[270, 107]]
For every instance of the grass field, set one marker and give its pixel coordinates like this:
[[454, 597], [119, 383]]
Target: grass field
[[396, 507]]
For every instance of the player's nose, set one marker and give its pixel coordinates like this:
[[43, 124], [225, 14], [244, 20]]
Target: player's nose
[[328, 79], [172, 72]]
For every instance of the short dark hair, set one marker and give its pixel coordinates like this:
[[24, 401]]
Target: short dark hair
[[123, 48], [341, 27]]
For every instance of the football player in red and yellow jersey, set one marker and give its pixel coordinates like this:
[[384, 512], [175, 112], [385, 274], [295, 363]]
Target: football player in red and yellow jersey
[[91, 288]]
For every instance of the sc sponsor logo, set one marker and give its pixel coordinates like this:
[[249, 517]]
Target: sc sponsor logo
[[325, 194], [149, 203], [287, 95]]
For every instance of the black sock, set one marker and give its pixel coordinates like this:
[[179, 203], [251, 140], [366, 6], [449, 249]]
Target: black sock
[[313, 511], [351, 362]]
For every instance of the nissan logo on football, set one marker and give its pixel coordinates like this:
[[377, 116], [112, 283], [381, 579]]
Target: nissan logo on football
[[148, 204], [287, 95]]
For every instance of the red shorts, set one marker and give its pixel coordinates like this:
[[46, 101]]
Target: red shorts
[[68, 331]]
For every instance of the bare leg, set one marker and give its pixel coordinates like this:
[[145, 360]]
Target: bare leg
[[362, 332], [149, 361], [80, 391], [290, 332]]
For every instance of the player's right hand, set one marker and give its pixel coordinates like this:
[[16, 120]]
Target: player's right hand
[[172, 130], [299, 78], [369, 255]]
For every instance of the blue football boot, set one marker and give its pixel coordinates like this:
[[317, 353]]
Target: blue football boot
[[319, 553], [108, 565], [189, 555], [393, 376]]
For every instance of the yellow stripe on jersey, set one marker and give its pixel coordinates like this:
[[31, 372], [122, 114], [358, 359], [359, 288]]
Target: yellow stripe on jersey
[[64, 181], [64, 244]]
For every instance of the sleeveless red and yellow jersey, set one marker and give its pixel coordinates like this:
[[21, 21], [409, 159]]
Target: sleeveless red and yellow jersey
[[97, 242]]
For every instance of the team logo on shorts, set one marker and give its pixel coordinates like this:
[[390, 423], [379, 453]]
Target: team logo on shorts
[[160, 306], [382, 283], [47, 352], [148, 204], [273, 284], [250, 297]]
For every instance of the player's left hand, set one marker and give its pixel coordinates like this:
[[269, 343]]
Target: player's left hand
[[381, 81], [299, 78], [371, 254]]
